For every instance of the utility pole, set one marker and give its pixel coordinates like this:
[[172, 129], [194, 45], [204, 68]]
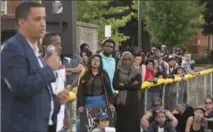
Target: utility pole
[[139, 25]]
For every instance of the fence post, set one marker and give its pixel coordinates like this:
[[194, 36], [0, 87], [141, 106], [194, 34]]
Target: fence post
[[163, 95], [211, 84], [205, 84], [177, 92], [188, 90], [145, 99]]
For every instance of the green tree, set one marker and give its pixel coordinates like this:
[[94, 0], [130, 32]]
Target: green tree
[[172, 22], [100, 13]]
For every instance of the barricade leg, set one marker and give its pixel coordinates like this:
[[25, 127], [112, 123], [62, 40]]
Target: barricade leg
[[71, 113]]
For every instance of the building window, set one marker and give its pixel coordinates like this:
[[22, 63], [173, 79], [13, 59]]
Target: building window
[[4, 7]]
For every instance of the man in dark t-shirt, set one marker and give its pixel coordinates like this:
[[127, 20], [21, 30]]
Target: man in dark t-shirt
[[182, 113]]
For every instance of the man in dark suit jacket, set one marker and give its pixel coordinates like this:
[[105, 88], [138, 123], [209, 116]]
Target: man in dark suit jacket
[[27, 98]]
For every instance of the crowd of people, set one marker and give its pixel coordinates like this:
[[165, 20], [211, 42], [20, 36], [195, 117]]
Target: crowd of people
[[107, 80], [183, 118]]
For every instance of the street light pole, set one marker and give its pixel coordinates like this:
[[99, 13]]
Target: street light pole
[[139, 25]]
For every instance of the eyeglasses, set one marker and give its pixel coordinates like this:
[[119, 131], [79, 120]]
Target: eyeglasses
[[208, 103], [96, 60]]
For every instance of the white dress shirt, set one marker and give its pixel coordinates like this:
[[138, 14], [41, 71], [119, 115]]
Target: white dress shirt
[[36, 51], [58, 86]]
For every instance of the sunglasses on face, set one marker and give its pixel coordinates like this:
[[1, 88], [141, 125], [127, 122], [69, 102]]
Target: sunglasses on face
[[95, 60], [208, 103]]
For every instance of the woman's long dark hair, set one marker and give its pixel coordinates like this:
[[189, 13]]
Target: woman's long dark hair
[[89, 67], [88, 53], [140, 55]]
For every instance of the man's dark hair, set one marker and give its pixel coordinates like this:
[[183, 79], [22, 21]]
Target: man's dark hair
[[109, 41], [47, 36], [83, 45], [46, 40], [51, 34], [130, 49], [23, 9]]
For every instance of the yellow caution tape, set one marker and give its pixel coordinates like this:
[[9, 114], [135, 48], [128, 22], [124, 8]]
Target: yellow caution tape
[[146, 84]]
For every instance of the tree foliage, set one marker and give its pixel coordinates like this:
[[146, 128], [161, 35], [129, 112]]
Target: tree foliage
[[100, 13], [172, 22]]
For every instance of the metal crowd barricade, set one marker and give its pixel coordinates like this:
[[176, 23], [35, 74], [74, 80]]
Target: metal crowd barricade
[[191, 90]]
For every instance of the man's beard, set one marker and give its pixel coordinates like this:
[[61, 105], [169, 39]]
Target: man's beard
[[107, 54]]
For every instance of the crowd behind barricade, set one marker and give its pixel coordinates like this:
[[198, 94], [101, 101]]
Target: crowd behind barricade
[[109, 89], [113, 79], [107, 84]]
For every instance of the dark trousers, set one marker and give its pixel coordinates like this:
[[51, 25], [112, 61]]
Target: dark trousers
[[52, 128]]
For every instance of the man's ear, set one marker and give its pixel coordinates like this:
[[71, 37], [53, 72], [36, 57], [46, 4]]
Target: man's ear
[[21, 22]]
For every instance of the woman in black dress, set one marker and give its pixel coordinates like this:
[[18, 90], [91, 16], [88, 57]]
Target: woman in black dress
[[128, 81]]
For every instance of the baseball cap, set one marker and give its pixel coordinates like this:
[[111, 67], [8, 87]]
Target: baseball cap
[[102, 116]]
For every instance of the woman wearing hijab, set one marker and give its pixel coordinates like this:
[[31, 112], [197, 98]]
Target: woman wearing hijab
[[128, 81]]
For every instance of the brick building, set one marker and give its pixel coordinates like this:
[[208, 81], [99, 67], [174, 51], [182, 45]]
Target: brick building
[[8, 6], [85, 32], [200, 45], [8, 27]]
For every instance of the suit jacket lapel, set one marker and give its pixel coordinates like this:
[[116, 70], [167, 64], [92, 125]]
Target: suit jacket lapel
[[28, 50], [30, 54]]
